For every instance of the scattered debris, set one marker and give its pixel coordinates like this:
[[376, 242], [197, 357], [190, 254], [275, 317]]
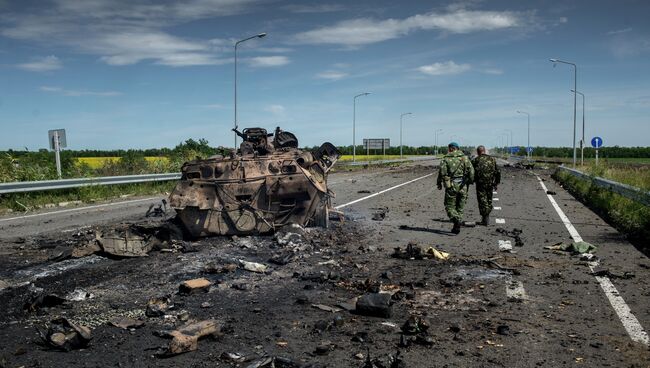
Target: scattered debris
[[505, 246], [550, 192], [443, 256], [186, 338], [78, 295], [194, 286], [514, 233], [212, 268], [159, 211], [64, 335], [374, 304], [253, 267], [379, 214], [42, 300], [364, 191], [469, 223], [126, 244], [503, 330], [326, 308], [158, 306], [413, 251], [604, 272], [573, 248], [126, 323]]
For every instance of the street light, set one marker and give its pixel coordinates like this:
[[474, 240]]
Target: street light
[[582, 141], [511, 141], [575, 97], [354, 120], [400, 131], [260, 35], [436, 140], [528, 145]]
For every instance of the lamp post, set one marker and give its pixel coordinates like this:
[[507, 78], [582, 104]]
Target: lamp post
[[582, 141], [575, 97], [354, 123], [511, 141], [400, 131], [260, 35], [528, 144], [436, 140]]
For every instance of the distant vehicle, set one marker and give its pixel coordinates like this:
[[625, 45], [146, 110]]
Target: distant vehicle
[[266, 184]]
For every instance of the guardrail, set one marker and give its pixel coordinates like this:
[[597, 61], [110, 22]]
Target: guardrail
[[380, 162], [35, 186], [627, 191]]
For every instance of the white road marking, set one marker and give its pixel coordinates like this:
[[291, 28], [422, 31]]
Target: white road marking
[[505, 245], [78, 209], [495, 199], [497, 208], [500, 221], [494, 192], [630, 322], [515, 291], [381, 192]]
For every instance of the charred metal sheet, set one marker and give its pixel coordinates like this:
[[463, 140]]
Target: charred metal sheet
[[264, 185]]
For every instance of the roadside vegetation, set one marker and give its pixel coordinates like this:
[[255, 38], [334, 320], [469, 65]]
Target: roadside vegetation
[[628, 217]]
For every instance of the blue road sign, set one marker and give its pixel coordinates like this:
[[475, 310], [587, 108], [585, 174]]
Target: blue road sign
[[530, 149], [514, 149], [596, 142]]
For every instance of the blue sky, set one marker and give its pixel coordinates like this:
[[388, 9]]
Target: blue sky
[[138, 74]]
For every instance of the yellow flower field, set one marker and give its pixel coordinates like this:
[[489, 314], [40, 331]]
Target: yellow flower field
[[97, 162]]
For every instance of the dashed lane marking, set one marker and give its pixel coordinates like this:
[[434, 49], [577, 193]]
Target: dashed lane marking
[[494, 192], [495, 199], [497, 208], [78, 209], [515, 291], [500, 221], [630, 322], [381, 192]]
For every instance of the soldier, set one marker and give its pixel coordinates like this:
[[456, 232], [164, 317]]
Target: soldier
[[488, 177], [456, 173]]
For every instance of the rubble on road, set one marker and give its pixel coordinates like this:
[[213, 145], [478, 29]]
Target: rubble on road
[[186, 338], [194, 286], [375, 305], [158, 306], [414, 251], [580, 247], [126, 323], [514, 233], [64, 335]]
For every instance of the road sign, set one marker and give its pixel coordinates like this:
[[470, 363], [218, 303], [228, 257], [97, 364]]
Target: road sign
[[530, 149], [596, 142], [61, 135], [376, 143], [514, 149]]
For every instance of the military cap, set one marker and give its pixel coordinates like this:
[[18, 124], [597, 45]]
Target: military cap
[[454, 144]]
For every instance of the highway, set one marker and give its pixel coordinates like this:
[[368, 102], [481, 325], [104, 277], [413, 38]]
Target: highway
[[529, 308]]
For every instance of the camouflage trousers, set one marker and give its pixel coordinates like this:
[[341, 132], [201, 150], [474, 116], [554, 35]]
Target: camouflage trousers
[[484, 197], [455, 199]]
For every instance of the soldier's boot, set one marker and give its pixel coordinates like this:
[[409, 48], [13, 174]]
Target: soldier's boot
[[456, 228], [486, 220]]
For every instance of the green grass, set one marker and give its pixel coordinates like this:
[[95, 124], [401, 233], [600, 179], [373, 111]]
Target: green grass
[[605, 161], [346, 158], [627, 216]]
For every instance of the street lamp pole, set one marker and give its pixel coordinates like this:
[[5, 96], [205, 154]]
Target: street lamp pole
[[575, 98], [436, 133], [528, 144], [354, 123], [511, 141], [400, 132], [260, 35], [582, 141]]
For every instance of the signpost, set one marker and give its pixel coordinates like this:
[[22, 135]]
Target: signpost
[[530, 150], [596, 142], [57, 141], [514, 150], [376, 143]]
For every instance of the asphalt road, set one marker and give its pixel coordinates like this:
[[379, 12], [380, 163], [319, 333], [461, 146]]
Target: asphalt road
[[549, 307]]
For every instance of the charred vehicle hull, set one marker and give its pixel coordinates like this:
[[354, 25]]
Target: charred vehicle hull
[[262, 187]]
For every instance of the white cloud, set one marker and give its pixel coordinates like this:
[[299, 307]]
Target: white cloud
[[78, 93], [42, 64], [619, 31], [493, 71], [331, 75], [275, 109], [268, 61], [319, 8], [444, 68], [357, 32], [124, 32]]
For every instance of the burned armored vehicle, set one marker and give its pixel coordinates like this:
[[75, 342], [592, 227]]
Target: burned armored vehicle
[[266, 184]]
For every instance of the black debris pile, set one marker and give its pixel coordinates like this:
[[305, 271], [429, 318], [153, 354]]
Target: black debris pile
[[379, 214], [514, 233], [157, 211], [375, 304], [64, 335], [417, 330], [412, 251]]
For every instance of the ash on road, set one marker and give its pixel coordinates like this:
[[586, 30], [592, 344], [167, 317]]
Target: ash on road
[[480, 307]]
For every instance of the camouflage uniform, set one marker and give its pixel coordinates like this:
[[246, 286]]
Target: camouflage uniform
[[456, 173], [487, 176]]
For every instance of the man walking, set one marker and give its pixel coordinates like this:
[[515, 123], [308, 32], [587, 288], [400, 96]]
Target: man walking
[[488, 177], [456, 173]]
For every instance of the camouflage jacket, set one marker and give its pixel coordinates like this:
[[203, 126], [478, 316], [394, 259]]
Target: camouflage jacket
[[455, 170], [486, 171]]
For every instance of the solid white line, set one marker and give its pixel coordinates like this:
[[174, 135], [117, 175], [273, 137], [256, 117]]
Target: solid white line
[[495, 199], [497, 208], [630, 322], [78, 209], [500, 221], [515, 291], [381, 192]]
